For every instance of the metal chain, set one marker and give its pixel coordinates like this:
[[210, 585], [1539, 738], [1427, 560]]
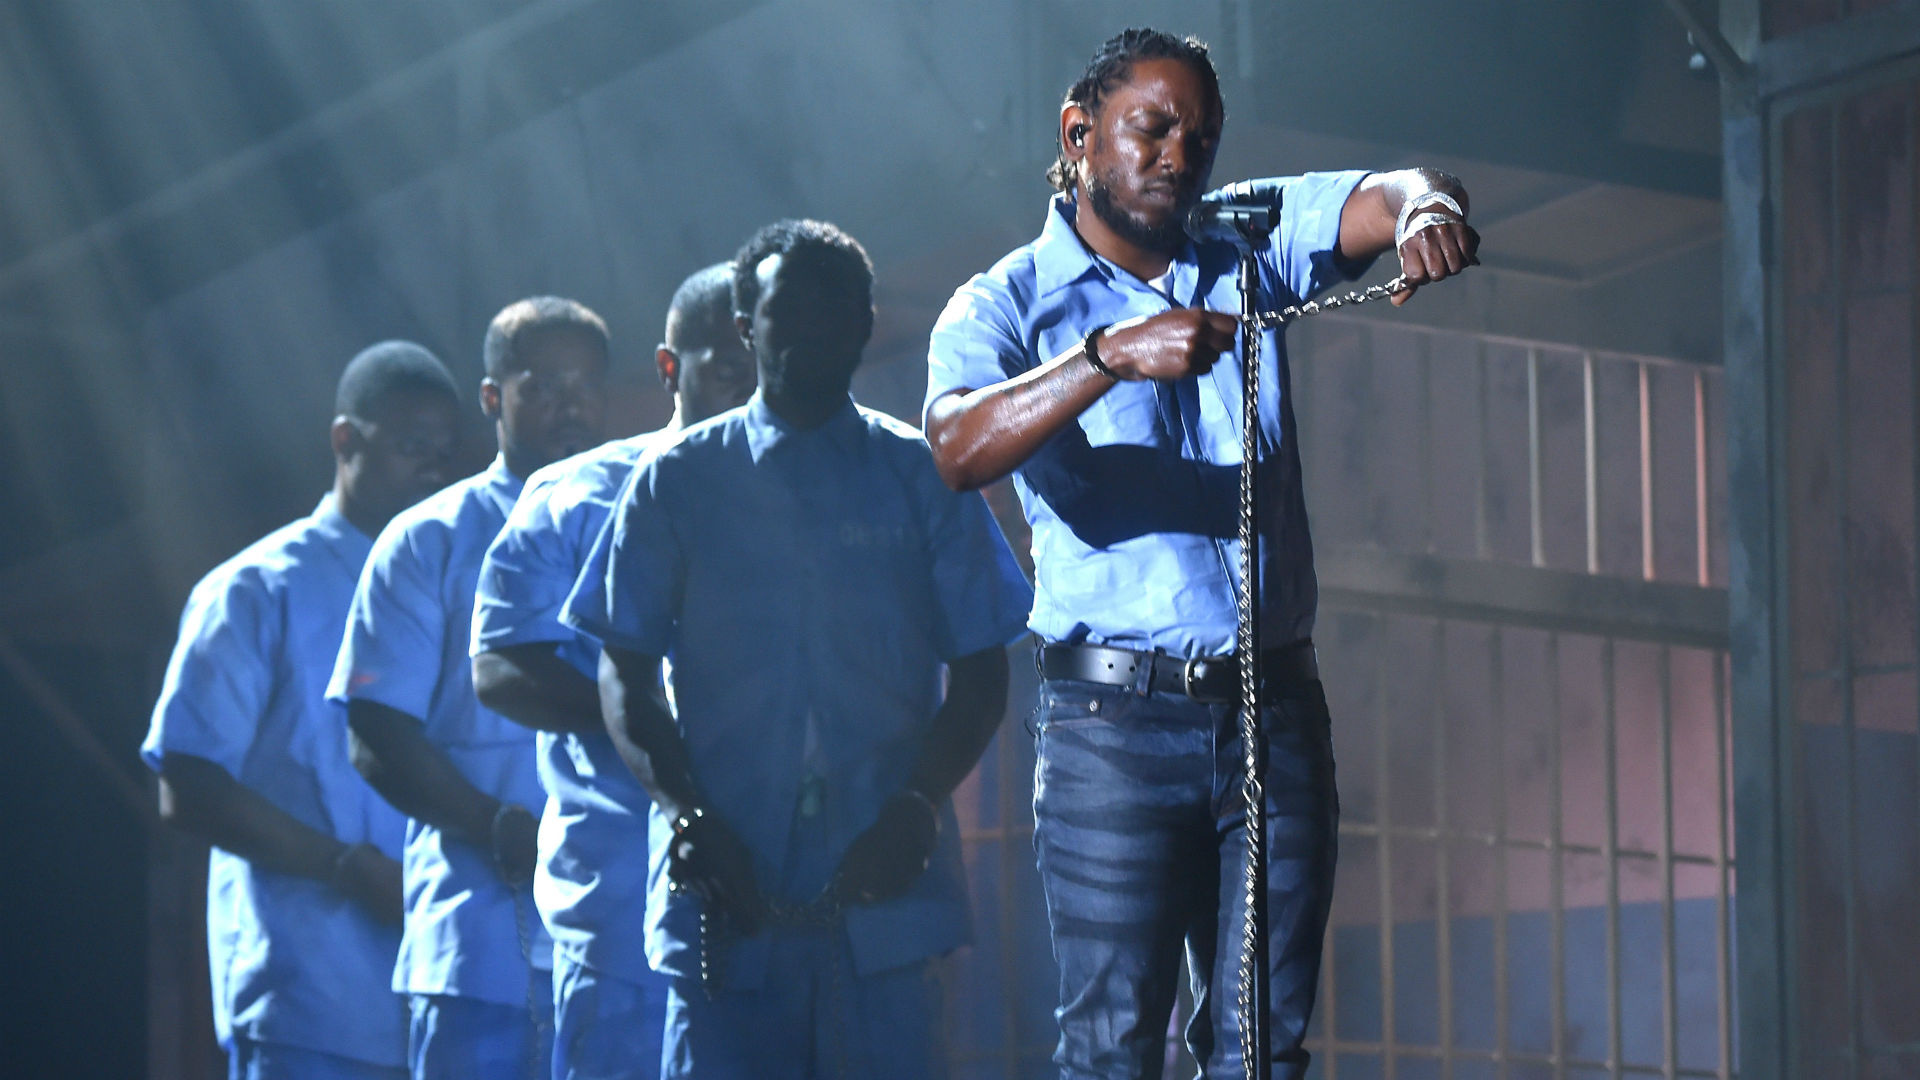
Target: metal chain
[[1252, 792], [1267, 320], [522, 902], [1249, 998]]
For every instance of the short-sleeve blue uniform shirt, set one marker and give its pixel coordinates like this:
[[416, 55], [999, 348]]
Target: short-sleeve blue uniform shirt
[[1134, 507], [467, 934], [807, 587], [591, 884], [292, 961]]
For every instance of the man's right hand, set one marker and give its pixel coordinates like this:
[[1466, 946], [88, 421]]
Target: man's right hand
[[709, 861], [373, 881], [1170, 345]]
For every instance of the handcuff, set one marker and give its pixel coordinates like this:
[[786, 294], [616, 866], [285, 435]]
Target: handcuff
[[682, 825], [500, 867]]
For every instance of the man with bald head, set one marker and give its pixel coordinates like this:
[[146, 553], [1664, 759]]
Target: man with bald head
[[303, 890], [474, 959], [591, 881]]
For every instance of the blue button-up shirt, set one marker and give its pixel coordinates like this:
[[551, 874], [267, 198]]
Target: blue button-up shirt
[[807, 586], [1134, 508], [292, 960], [591, 884], [467, 933]]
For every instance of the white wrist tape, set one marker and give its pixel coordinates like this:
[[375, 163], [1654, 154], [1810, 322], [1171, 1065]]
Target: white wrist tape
[[1420, 222], [1402, 229]]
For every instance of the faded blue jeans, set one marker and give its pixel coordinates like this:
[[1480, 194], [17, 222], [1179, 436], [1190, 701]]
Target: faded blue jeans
[[1139, 830]]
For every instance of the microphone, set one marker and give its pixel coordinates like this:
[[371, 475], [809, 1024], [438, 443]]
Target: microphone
[[1237, 215]]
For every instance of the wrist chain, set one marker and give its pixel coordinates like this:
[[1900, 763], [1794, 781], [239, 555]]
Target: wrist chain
[[823, 912], [505, 811], [1267, 320]]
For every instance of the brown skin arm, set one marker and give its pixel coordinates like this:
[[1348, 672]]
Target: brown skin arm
[[1433, 254], [979, 436], [886, 859], [708, 860], [391, 750], [531, 685], [200, 797]]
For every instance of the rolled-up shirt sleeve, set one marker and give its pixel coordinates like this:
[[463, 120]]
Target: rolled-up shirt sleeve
[[976, 341], [982, 596], [219, 678], [627, 594], [525, 578], [1306, 252], [396, 626]]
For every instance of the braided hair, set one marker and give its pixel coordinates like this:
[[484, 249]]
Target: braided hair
[[1112, 65]]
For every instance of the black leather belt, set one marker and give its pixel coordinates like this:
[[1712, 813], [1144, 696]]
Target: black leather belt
[[1213, 680]]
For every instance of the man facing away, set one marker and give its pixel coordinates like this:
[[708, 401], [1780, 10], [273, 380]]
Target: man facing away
[[1096, 366], [808, 574], [590, 884], [303, 890], [474, 960]]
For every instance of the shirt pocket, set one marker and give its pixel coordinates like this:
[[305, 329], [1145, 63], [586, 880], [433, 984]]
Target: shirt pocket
[[1127, 414]]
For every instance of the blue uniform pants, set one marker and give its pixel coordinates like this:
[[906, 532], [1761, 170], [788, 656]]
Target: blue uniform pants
[[812, 1020], [250, 1060], [1139, 830], [460, 1038], [605, 1028]]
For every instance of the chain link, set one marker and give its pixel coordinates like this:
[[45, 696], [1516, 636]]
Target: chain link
[[1267, 320], [1248, 998], [1253, 870], [522, 926]]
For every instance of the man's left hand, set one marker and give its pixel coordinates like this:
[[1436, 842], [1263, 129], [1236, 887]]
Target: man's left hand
[[1437, 252], [885, 860]]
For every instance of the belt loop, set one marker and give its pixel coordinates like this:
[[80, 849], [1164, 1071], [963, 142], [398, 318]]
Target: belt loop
[[1143, 672]]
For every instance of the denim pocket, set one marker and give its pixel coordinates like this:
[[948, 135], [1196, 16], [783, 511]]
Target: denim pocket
[[1073, 703]]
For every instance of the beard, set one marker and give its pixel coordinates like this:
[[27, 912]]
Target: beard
[[1166, 238], [808, 372]]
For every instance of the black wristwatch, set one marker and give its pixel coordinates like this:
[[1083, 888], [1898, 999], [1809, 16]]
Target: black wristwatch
[[1093, 353]]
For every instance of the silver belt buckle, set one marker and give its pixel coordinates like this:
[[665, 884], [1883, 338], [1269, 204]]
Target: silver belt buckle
[[1190, 675]]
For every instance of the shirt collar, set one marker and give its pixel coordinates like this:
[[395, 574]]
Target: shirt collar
[[766, 430], [328, 514], [332, 522], [499, 476], [1061, 258]]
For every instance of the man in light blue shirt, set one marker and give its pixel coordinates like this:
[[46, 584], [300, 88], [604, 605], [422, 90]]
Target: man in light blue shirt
[[303, 890], [1096, 366], [474, 958], [808, 574], [590, 884]]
